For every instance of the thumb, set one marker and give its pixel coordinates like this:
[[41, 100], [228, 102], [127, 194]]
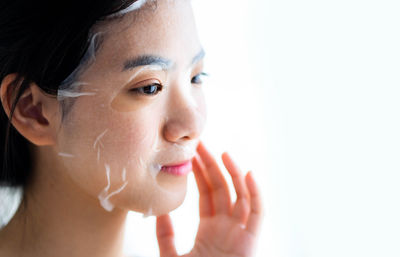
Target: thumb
[[165, 236]]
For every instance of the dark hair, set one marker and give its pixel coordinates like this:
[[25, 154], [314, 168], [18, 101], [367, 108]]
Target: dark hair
[[42, 42]]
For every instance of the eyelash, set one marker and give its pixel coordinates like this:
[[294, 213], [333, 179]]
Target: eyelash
[[141, 90], [201, 74]]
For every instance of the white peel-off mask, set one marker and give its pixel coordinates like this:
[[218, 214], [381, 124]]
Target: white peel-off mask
[[105, 195], [121, 136]]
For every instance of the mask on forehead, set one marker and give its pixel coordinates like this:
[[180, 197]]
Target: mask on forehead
[[135, 163]]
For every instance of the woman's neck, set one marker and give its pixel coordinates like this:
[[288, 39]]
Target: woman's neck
[[58, 219]]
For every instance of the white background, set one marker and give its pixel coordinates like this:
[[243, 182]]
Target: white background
[[305, 94]]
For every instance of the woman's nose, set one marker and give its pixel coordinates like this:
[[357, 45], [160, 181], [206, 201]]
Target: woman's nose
[[186, 116]]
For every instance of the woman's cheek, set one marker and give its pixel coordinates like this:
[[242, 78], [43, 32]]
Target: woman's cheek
[[101, 153], [131, 134], [130, 165]]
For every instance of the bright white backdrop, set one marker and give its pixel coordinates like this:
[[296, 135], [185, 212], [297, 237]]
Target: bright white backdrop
[[305, 94]]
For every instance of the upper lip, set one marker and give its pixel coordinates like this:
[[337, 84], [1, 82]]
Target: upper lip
[[178, 163]]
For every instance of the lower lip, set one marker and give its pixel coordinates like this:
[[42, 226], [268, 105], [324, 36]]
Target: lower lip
[[178, 170]]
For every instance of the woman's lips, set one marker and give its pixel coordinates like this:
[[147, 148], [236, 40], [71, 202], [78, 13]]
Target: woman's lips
[[179, 169]]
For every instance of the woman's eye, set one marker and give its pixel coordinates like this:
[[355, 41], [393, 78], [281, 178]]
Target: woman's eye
[[198, 78], [149, 90]]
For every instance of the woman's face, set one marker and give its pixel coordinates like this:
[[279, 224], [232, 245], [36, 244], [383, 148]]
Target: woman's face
[[140, 107]]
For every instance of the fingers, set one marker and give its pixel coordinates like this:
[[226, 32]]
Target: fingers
[[241, 208], [214, 191], [256, 212], [205, 200], [219, 188], [165, 236]]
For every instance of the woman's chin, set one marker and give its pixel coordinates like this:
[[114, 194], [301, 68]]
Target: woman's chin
[[165, 204], [158, 202]]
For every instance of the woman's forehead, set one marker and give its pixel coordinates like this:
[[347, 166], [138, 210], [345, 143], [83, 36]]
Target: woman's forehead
[[163, 30]]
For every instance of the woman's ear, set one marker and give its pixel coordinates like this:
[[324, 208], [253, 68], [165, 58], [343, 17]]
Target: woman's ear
[[35, 115]]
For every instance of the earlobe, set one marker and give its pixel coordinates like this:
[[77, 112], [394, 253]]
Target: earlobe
[[33, 115]]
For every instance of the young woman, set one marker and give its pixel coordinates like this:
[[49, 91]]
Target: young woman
[[102, 114]]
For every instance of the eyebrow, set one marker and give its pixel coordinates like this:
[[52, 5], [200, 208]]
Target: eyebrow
[[165, 64], [198, 57]]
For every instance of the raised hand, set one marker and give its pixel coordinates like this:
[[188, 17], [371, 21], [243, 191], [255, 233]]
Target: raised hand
[[226, 228]]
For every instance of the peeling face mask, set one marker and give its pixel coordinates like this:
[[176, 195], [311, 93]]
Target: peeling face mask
[[134, 109]]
